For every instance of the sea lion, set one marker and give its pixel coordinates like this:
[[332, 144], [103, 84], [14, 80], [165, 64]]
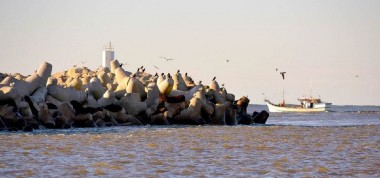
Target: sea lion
[[45, 118], [173, 99], [79, 109], [66, 109], [31, 106], [260, 118], [24, 109]]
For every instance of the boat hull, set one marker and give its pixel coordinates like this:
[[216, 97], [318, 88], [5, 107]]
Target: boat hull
[[321, 107]]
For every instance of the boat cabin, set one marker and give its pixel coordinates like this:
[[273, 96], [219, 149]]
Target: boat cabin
[[309, 102]]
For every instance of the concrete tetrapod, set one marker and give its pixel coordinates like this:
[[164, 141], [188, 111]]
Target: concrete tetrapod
[[190, 115], [65, 94], [19, 88]]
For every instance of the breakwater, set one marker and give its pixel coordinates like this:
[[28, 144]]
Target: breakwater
[[80, 97]]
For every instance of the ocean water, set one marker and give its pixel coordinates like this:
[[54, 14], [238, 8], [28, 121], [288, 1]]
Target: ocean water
[[342, 143]]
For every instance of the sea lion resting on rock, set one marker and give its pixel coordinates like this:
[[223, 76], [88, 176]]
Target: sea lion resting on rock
[[45, 118]]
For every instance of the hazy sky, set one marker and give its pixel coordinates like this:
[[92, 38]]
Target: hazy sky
[[321, 44]]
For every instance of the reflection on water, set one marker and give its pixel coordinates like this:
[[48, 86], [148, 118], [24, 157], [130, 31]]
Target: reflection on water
[[210, 151]]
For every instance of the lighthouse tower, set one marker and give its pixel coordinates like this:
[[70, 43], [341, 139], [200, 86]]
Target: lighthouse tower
[[108, 55]]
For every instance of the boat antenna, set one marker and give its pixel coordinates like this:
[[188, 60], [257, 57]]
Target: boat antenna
[[265, 97], [283, 97], [283, 88], [311, 88]]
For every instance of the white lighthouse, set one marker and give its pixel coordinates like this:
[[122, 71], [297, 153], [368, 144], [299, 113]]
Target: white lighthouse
[[108, 56]]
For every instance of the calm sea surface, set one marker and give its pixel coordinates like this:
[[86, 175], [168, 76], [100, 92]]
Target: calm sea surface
[[343, 143]]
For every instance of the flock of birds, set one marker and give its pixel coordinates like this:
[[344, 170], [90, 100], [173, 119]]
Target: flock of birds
[[171, 59]]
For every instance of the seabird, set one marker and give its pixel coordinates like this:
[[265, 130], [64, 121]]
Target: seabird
[[357, 76], [283, 75], [156, 67], [228, 60], [167, 59], [276, 69], [213, 79]]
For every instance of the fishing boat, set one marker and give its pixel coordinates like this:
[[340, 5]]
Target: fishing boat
[[307, 105]]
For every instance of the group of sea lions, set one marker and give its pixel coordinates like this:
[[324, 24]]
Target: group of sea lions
[[80, 97]]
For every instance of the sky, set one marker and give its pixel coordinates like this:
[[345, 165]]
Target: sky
[[328, 48]]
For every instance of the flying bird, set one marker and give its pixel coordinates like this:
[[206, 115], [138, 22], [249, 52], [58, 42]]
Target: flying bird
[[167, 59], [283, 75], [228, 60], [276, 69], [156, 67], [357, 76]]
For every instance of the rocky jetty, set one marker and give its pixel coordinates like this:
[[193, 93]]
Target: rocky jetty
[[80, 97]]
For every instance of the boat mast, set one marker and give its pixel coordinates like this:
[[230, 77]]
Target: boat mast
[[311, 88], [283, 97]]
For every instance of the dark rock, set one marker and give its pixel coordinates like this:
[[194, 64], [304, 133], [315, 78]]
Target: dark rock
[[20, 123], [51, 106], [261, 118], [113, 108], [30, 121], [79, 109], [245, 119], [172, 99], [9, 121], [108, 124], [83, 120], [159, 119], [231, 117], [61, 122], [143, 118], [12, 129], [28, 128], [31, 105], [100, 123], [187, 121]]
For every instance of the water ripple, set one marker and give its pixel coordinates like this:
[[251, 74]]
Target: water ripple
[[207, 151]]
